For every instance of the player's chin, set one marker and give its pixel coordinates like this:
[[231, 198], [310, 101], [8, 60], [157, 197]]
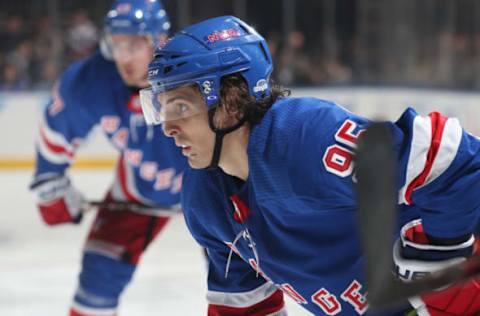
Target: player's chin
[[195, 163]]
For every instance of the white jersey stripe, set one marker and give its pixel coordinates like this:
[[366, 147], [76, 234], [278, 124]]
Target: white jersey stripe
[[130, 184], [126, 189], [421, 140], [422, 144], [55, 137], [244, 299], [46, 138], [50, 155], [117, 192], [451, 138], [85, 310], [104, 248]]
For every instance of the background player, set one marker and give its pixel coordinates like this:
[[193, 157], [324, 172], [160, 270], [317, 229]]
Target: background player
[[277, 195], [97, 91]]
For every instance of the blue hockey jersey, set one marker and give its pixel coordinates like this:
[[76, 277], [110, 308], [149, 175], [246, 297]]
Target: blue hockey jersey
[[90, 93], [292, 224]]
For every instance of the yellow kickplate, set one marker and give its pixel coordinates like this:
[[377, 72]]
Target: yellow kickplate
[[25, 163]]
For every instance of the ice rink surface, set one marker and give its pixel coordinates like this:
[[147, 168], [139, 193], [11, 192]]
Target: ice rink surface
[[39, 264]]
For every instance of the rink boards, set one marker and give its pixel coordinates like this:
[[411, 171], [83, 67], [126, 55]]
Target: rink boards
[[19, 113]]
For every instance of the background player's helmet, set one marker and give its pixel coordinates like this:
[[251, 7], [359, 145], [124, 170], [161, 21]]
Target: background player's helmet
[[137, 17], [204, 53]]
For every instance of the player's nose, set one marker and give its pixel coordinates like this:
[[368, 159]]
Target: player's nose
[[123, 57], [170, 129]]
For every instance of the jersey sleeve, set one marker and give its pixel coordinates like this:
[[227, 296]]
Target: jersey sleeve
[[440, 172], [438, 165], [63, 126], [234, 287]]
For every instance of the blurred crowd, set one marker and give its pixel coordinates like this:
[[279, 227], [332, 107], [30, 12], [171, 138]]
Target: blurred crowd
[[354, 43], [32, 55]]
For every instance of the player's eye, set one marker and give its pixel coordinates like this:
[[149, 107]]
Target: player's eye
[[178, 110], [182, 108], [138, 45]]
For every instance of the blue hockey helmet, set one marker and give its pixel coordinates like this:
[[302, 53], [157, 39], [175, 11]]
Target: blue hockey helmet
[[201, 55], [137, 17]]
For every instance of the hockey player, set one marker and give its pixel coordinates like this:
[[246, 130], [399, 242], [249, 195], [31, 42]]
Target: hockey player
[[269, 192], [99, 91]]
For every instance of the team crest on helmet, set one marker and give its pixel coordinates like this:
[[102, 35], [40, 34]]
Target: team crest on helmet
[[222, 35], [261, 86], [207, 87]]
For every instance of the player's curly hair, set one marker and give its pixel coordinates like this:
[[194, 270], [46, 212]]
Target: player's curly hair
[[234, 96]]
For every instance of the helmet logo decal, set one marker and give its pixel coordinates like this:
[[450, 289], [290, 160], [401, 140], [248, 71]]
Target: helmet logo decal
[[222, 35], [261, 86], [209, 92], [207, 87], [152, 72]]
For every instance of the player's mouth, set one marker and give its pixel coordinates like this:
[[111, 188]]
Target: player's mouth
[[186, 150], [129, 72]]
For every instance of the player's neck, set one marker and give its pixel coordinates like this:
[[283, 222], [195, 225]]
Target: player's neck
[[234, 158]]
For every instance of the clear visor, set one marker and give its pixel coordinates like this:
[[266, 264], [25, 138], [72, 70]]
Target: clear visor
[[179, 103]]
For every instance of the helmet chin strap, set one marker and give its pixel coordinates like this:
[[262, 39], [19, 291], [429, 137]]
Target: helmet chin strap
[[219, 134]]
